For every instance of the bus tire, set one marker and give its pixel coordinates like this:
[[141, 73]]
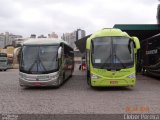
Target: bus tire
[[70, 76], [88, 78], [89, 83], [64, 76], [23, 86], [71, 73]]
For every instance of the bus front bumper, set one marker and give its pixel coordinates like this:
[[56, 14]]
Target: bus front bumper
[[3, 68], [113, 82], [23, 82], [31, 80]]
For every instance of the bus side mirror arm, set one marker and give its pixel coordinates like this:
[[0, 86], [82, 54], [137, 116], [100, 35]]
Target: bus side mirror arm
[[92, 46], [59, 52], [137, 43]]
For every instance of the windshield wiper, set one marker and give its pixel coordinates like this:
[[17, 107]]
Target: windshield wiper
[[38, 61], [42, 64], [104, 64], [32, 65], [115, 55]]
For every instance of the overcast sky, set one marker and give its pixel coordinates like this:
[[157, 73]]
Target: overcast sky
[[25, 17]]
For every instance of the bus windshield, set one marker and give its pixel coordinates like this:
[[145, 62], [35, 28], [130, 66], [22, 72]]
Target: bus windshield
[[112, 52], [39, 59]]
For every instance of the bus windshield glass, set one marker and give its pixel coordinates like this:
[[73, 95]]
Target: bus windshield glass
[[39, 59], [112, 52]]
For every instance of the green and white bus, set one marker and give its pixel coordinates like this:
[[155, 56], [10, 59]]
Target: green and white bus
[[45, 62], [111, 58]]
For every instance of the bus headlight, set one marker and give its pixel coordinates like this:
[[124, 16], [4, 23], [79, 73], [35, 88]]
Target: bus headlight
[[54, 76], [22, 75], [132, 76], [93, 76]]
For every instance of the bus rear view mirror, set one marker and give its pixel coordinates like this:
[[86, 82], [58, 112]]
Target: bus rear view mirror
[[59, 52], [17, 54], [136, 41]]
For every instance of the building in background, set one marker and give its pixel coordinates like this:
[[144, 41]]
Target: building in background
[[52, 35], [158, 14], [80, 34], [2, 40], [73, 36], [33, 36], [18, 42], [42, 36], [8, 39], [70, 38]]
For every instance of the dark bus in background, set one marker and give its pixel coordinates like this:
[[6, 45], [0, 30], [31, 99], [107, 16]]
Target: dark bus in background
[[150, 56], [3, 61]]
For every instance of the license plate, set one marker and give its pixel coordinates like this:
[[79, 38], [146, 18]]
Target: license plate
[[113, 82], [37, 84]]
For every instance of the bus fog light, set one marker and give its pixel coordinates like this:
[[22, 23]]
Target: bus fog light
[[132, 75], [93, 76]]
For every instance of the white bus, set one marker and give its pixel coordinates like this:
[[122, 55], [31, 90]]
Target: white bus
[[45, 62]]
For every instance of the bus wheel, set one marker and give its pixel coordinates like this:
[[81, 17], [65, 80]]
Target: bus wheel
[[89, 82], [71, 73], [88, 78], [64, 76]]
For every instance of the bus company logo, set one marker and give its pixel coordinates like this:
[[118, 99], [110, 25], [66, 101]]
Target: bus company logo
[[152, 52]]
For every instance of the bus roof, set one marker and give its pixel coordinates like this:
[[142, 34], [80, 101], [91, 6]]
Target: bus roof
[[151, 38], [44, 41], [109, 32]]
